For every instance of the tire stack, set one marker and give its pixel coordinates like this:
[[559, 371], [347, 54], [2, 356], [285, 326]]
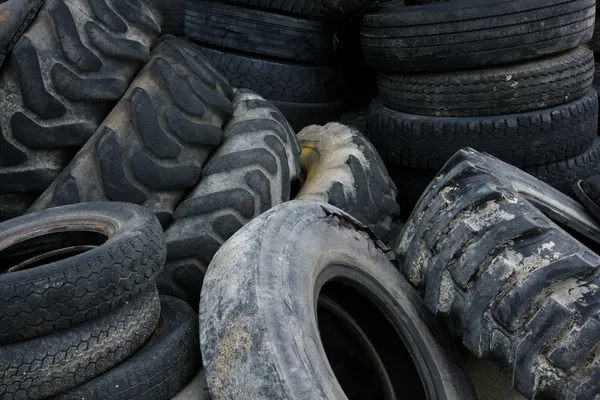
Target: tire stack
[[511, 78]]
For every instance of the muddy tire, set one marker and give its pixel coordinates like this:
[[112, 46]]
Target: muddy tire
[[48, 365], [152, 146], [58, 291], [250, 172], [344, 169], [511, 283], [158, 370], [64, 75], [308, 241], [17, 15]]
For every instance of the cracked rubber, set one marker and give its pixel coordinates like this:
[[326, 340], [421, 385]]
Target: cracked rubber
[[63, 76], [510, 89], [445, 36], [250, 172], [59, 295], [259, 32], [152, 146], [248, 305], [525, 139], [158, 370], [344, 169], [516, 287], [45, 366]]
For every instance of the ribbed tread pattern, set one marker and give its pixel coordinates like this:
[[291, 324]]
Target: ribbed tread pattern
[[298, 7]]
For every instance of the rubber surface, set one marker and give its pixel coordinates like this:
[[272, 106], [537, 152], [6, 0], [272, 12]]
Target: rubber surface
[[152, 146], [16, 15], [300, 115], [173, 12], [591, 186], [509, 89], [306, 8], [410, 183], [443, 36]]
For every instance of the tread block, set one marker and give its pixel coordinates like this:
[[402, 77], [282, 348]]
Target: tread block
[[66, 190], [115, 47], [75, 88], [179, 90], [161, 177], [240, 159], [105, 14], [39, 137], [226, 225], [135, 15], [260, 184], [192, 132]]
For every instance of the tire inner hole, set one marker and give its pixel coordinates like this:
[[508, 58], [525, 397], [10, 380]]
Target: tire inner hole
[[364, 350]]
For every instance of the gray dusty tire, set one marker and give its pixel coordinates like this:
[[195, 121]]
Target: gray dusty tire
[[343, 169], [249, 173], [59, 284], [17, 15], [45, 366], [248, 304], [512, 284], [163, 366], [151, 147], [64, 75]]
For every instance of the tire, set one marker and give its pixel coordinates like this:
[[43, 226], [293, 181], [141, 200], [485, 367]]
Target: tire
[[357, 119], [594, 43], [173, 12], [591, 187], [152, 146], [45, 366], [344, 170], [443, 37], [158, 370], [64, 75], [300, 115], [308, 241], [14, 205], [304, 8], [197, 389], [259, 32], [525, 139], [511, 89], [410, 184], [596, 82], [20, 14], [60, 292], [250, 172], [510, 282]]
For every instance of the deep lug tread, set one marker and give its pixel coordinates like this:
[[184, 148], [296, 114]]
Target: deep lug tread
[[28, 131], [105, 14], [75, 88], [164, 177], [128, 50]]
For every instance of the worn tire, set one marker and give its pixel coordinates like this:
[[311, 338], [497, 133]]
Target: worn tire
[[64, 75], [446, 36], [17, 15], [525, 139], [517, 88], [517, 288], [308, 242], [45, 366], [173, 12], [300, 115], [344, 169], [152, 146], [259, 32], [54, 296], [305, 8], [250, 172], [158, 370]]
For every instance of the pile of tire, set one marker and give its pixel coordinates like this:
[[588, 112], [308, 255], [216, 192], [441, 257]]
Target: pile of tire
[[511, 78]]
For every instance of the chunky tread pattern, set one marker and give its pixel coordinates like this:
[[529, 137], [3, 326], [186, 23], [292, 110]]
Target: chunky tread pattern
[[517, 288], [152, 146]]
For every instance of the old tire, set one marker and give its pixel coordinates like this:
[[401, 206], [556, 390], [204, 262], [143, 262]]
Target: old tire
[[514, 285], [445, 36], [344, 169], [249, 173], [173, 12], [50, 364], [308, 241], [58, 291], [17, 15], [196, 389], [158, 370], [152, 146]]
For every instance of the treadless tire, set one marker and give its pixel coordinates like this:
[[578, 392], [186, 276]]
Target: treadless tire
[[250, 172], [247, 302], [173, 12], [445, 36], [56, 284], [510, 89], [48, 365], [515, 286], [64, 75], [16, 17], [152, 146], [525, 139], [159, 369], [259, 32], [344, 169]]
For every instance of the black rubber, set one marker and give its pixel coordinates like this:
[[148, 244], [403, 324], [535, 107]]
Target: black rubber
[[344, 169], [51, 364], [525, 139], [54, 296], [259, 32], [152, 146], [596, 82], [63, 76], [516, 287], [446, 36], [16, 17], [410, 183], [357, 118], [591, 186], [273, 309], [158, 370], [306, 8], [249, 173], [510, 89], [173, 12], [300, 115]]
